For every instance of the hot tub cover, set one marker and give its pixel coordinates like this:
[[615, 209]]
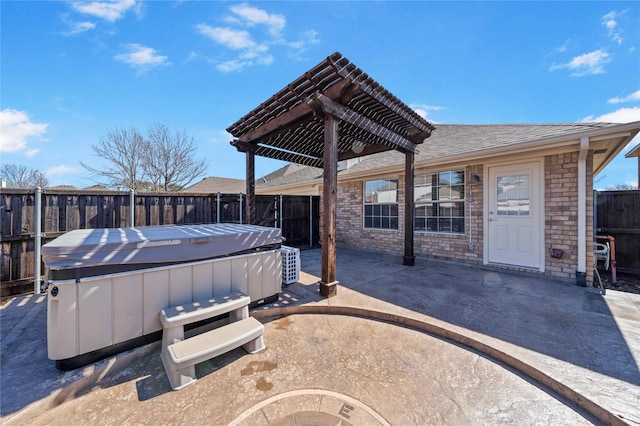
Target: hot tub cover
[[86, 248]]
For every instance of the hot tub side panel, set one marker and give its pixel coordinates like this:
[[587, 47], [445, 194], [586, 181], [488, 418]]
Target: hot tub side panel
[[62, 320], [104, 312]]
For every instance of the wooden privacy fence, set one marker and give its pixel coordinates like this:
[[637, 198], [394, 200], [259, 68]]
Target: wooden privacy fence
[[66, 210], [618, 215]]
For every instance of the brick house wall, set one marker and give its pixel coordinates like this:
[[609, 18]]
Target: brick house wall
[[561, 221], [561, 214], [350, 230], [351, 233]]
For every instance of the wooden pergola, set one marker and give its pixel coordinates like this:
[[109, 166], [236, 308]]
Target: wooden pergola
[[331, 113]]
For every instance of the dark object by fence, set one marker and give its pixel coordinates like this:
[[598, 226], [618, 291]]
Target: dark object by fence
[[66, 210], [618, 215]]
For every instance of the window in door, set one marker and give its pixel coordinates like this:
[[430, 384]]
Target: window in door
[[513, 195]]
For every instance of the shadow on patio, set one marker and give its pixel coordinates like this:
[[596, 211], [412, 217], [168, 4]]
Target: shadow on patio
[[563, 321], [587, 342]]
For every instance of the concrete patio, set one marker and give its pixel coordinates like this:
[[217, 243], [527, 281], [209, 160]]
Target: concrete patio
[[437, 343]]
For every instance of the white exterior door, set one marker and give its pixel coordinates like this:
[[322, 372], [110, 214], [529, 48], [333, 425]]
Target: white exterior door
[[515, 223]]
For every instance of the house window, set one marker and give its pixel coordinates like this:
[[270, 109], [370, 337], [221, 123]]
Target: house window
[[439, 202], [381, 204]]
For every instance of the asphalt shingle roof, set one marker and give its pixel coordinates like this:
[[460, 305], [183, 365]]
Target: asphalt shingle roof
[[451, 140], [290, 174], [212, 185], [447, 141]]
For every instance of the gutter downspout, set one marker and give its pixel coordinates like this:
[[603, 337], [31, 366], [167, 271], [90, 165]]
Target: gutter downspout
[[581, 267]]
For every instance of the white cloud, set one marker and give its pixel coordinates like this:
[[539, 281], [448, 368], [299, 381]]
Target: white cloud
[[221, 137], [622, 115], [253, 16], [585, 64], [564, 47], [109, 11], [635, 96], [15, 128], [61, 169], [423, 110], [141, 57], [228, 37], [241, 35], [265, 60], [79, 27], [250, 52], [307, 39], [233, 65], [609, 21]]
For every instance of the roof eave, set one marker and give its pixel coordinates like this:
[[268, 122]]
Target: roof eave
[[635, 152], [626, 131]]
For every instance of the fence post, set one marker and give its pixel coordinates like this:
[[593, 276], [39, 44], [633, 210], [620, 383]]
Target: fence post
[[241, 208], [280, 212], [37, 238], [310, 221], [132, 209], [595, 214], [218, 208]]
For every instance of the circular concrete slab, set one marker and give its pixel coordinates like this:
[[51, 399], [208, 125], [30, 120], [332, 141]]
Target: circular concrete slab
[[323, 368], [312, 407]]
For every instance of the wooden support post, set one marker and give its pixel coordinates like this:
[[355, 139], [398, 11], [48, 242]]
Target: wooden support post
[[328, 285], [409, 259], [251, 188]]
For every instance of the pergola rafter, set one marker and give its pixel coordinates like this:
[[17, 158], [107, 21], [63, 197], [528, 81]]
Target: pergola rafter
[[332, 112]]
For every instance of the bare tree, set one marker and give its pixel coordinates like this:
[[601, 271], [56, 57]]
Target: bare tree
[[169, 158], [123, 149], [622, 187], [18, 176]]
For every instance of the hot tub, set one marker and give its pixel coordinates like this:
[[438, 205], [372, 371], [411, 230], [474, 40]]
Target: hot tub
[[106, 287]]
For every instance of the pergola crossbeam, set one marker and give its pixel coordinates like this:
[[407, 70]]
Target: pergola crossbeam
[[358, 120], [277, 154], [371, 88]]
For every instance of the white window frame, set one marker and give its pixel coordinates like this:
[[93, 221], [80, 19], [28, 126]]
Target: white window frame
[[382, 210], [456, 223]]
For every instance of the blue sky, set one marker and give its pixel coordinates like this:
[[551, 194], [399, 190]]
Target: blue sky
[[72, 71]]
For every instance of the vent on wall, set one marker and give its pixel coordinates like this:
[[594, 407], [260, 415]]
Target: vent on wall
[[600, 151]]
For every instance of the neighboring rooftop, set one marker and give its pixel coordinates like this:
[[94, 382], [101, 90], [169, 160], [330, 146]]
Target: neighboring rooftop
[[290, 174], [212, 184]]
